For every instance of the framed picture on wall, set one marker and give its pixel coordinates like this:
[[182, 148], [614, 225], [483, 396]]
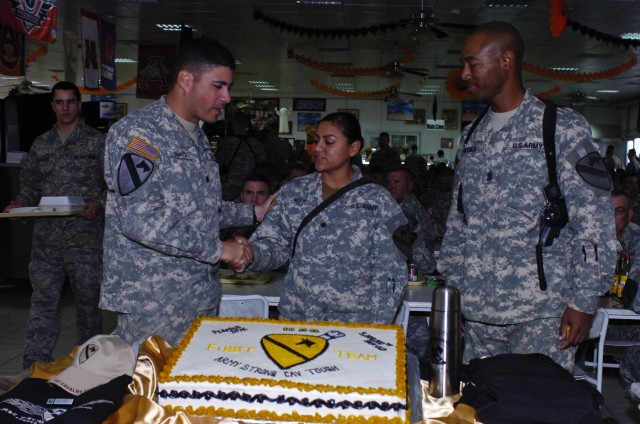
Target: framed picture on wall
[[354, 112], [450, 118], [419, 117], [307, 119], [310, 105], [446, 143], [400, 110], [121, 109]]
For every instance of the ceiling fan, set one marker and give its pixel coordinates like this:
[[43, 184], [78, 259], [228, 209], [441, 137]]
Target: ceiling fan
[[396, 69], [394, 95], [245, 103], [580, 98], [26, 87], [425, 25]]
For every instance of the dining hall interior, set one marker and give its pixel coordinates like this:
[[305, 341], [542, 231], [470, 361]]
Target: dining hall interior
[[303, 59]]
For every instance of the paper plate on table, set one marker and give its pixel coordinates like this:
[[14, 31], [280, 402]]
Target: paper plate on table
[[24, 210], [227, 276], [420, 281]]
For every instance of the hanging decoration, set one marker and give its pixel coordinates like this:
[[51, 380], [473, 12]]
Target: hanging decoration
[[558, 20], [455, 85], [327, 32], [581, 77], [120, 87], [356, 95], [346, 70], [549, 93], [35, 55]]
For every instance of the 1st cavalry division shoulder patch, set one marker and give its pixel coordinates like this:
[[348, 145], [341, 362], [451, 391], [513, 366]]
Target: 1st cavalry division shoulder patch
[[133, 171], [143, 148]]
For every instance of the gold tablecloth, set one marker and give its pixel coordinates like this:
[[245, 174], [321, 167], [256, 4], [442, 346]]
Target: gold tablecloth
[[140, 407]]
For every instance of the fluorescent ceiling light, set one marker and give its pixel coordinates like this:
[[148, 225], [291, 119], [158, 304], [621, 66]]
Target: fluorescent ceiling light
[[507, 3], [125, 60], [429, 89], [564, 69], [263, 85], [630, 36], [174, 27], [322, 2], [345, 86], [607, 91]]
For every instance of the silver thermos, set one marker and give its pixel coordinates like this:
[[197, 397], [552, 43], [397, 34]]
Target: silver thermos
[[446, 343]]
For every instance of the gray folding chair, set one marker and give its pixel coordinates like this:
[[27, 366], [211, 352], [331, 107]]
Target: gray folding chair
[[249, 306]]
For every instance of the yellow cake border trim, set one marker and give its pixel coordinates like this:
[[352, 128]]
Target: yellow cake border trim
[[401, 374], [211, 411]]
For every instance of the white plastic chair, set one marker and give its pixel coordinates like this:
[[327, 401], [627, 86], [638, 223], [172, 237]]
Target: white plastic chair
[[598, 331], [248, 306], [402, 316]]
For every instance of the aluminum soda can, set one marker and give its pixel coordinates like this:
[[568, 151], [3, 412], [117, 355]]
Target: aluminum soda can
[[413, 272]]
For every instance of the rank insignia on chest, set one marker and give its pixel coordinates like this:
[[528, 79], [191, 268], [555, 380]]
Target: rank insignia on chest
[[143, 148]]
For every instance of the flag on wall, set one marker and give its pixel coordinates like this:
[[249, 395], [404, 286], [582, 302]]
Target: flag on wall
[[37, 19], [155, 70], [11, 51], [90, 49], [107, 55], [70, 57]]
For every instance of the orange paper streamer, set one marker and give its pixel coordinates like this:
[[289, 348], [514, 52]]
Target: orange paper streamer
[[346, 70], [120, 87], [36, 54], [355, 95]]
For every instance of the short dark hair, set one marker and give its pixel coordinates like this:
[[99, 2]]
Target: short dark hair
[[198, 55], [506, 34], [66, 86], [260, 177], [404, 169], [348, 124], [618, 192]]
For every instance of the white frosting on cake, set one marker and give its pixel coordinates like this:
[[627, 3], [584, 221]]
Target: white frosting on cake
[[308, 364]]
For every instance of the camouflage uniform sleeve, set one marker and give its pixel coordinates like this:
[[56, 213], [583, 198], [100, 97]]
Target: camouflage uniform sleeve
[[234, 214], [387, 260], [591, 224], [273, 237], [159, 214], [451, 257]]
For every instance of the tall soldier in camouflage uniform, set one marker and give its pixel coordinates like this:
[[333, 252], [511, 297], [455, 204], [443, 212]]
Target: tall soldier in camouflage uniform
[[493, 227], [164, 208], [345, 265], [65, 161]]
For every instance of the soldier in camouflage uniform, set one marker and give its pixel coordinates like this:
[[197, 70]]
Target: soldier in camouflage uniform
[[164, 208], [400, 183], [345, 265], [238, 156], [630, 371], [493, 227], [65, 161]]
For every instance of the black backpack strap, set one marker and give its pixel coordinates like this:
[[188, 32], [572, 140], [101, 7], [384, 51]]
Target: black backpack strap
[[335, 196], [549, 140], [460, 205]]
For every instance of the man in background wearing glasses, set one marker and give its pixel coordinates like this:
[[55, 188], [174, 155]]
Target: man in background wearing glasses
[[67, 160]]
